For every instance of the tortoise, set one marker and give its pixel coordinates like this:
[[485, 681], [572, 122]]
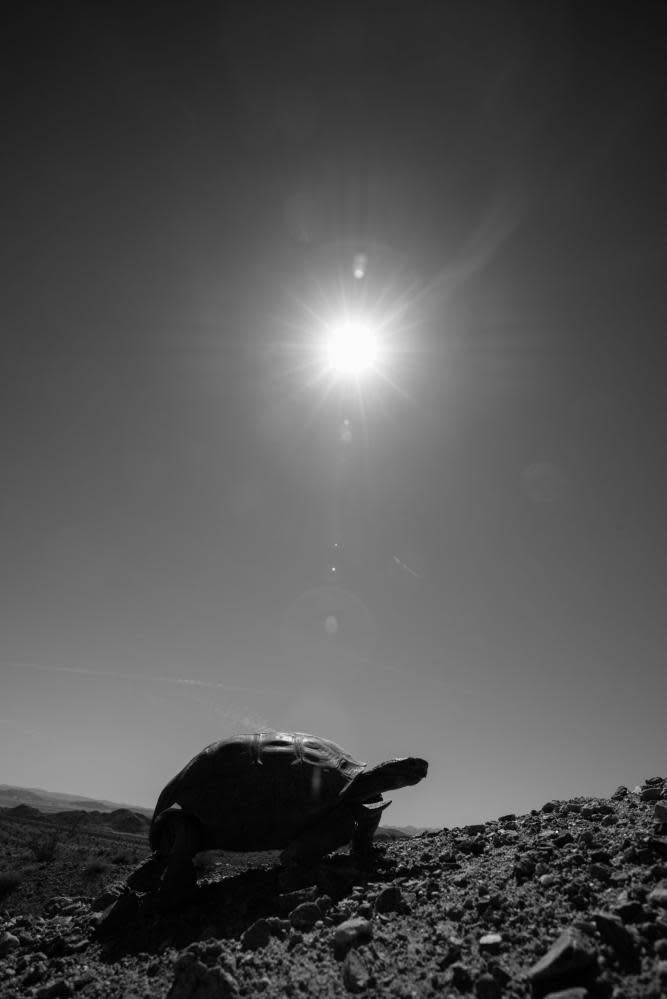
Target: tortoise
[[287, 791]]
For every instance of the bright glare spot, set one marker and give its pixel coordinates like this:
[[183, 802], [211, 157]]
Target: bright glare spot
[[352, 348], [360, 261], [331, 625]]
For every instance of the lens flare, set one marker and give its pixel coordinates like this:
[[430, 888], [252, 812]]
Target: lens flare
[[352, 347]]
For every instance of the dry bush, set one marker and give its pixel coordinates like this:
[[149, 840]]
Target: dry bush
[[9, 882], [96, 869], [43, 846]]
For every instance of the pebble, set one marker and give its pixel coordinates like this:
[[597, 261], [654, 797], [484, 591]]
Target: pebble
[[490, 943], [576, 993], [8, 943], [659, 896], [486, 987], [355, 973], [460, 976]]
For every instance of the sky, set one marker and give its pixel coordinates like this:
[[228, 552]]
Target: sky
[[458, 554]]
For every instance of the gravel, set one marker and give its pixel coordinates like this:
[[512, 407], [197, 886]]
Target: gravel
[[569, 901]]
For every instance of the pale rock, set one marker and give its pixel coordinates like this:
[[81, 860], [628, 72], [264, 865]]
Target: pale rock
[[350, 933]]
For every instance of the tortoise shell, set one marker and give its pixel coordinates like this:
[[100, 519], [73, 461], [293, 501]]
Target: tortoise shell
[[259, 791]]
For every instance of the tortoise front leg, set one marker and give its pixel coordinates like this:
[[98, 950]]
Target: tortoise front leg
[[328, 834], [176, 838], [367, 820]]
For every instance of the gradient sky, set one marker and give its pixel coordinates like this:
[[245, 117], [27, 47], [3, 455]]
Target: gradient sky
[[193, 540]]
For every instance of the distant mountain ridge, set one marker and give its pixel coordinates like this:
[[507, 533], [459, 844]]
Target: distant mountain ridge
[[54, 801]]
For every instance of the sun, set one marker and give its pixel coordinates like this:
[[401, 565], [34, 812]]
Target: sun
[[352, 347]]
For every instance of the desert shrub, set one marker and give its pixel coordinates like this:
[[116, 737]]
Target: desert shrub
[[43, 847], [9, 882], [96, 869]]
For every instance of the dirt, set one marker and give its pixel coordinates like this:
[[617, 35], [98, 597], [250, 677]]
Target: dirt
[[571, 898]]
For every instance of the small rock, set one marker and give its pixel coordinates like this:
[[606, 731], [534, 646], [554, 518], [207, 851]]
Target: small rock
[[662, 973], [576, 993], [486, 987], [614, 933], [659, 896], [295, 938], [660, 811], [620, 792], [355, 973], [569, 961], [602, 872], [8, 943], [490, 943], [279, 927], [257, 935], [460, 976], [390, 899], [35, 973], [305, 915], [59, 987], [631, 912], [651, 793], [349, 934], [85, 978], [56, 903], [658, 844]]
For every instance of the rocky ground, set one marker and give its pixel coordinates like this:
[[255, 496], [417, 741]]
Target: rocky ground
[[568, 901]]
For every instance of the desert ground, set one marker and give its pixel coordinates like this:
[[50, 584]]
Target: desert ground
[[569, 900]]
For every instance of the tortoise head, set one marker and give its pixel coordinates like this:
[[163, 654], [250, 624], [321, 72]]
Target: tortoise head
[[402, 772]]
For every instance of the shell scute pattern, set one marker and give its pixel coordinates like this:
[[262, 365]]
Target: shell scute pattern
[[242, 786]]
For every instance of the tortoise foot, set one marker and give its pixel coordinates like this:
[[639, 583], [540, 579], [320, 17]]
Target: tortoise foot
[[294, 876], [146, 877], [179, 881]]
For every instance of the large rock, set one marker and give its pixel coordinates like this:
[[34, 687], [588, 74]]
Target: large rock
[[570, 961], [350, 933], [193, 980]]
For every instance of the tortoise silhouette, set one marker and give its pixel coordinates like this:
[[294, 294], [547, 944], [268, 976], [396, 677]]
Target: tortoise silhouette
[[288, 791]]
